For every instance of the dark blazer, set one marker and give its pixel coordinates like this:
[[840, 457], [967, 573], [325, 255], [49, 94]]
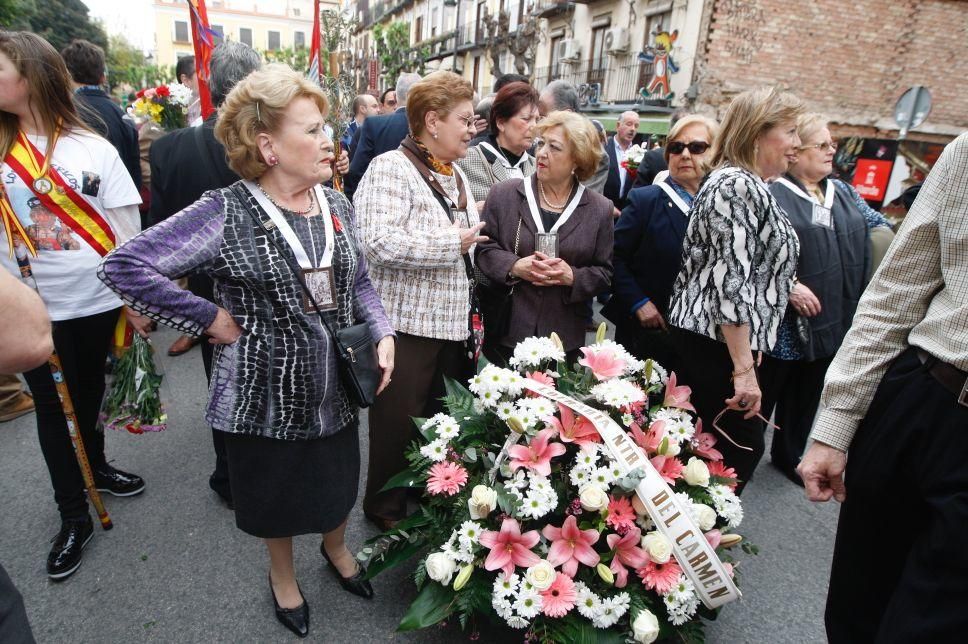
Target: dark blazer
[[103, 116], [652, 164], [183, 166], [585, 242], [377, 135], [648, 252], [614, 182]]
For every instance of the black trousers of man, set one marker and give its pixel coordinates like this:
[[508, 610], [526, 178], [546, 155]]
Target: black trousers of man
[[900, 568]]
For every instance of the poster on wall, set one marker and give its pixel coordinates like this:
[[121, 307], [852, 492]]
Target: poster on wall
[[867, 165]]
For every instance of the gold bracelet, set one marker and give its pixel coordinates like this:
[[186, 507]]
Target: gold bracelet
[[746, 370]]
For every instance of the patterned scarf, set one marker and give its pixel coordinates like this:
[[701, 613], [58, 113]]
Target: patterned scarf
[[429, 159]]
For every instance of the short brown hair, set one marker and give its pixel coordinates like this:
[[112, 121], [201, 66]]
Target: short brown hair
[[85, 62], [256, 105], [438, 92], [511, 99], [582, 138], [712, 127], [748, 116]]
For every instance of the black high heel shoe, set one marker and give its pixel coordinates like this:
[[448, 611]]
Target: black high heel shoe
[[295, 619], [357, 584]]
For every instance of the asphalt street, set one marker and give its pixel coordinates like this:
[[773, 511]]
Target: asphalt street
[[176, 569]]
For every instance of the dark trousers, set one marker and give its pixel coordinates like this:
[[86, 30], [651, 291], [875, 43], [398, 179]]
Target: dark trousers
[[82, 345], [791, 389], [14, 627], [415, 390], [900, 567], [705, 366], [648, 343]]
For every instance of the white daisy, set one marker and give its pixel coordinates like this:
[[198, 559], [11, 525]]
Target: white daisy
[[589, 604], [435, 450], [506, 586], [448, 430], [517, 622], [505, 409], [470, 533], [528, 604], [617, 393]]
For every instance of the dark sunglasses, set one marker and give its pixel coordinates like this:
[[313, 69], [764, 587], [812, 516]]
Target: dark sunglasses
[[695, 147]]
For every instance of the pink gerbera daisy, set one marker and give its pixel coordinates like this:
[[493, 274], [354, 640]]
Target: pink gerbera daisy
[[446, 478], [620, 513], [669, 467], [718, 468], [560, 596], [659, 577]]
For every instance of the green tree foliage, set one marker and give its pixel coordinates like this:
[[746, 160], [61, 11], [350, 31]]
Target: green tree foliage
[[61, 21], [298, 58], [394, 51], [16, 14]]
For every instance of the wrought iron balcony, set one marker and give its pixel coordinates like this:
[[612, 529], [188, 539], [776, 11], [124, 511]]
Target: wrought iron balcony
[[598, 81], [549, 8]]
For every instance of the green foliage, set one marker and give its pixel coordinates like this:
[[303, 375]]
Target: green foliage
[[128, 69], [473, 598], [393, 49], [298, 59], [61, 21], [407, 478], [16, 14], [433, 604]]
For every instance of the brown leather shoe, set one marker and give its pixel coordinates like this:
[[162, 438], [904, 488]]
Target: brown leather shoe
[[182, 345], [22, 404]]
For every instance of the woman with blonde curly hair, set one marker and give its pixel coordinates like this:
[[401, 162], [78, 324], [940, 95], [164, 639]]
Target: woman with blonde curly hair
[[291, 429]]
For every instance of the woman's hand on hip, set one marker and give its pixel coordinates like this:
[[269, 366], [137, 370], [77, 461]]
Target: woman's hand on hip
[[804, 301], [552, 271], [384, 351], [649, 317], [746, 394], [224, 330], [140, 323]]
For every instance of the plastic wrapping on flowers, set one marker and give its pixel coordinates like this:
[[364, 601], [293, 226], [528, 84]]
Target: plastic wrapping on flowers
[[133, 401], [526, 518]]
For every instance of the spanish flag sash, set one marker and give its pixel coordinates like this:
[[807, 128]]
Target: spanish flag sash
[[57, 196]]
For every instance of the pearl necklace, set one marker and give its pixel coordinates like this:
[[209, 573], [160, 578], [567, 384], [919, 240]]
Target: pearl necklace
[[309, 193], [548, 201]]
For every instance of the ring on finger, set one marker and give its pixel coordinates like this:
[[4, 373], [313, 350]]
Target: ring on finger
[[742, 404]]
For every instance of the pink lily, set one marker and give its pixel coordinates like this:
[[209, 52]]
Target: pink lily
[[510, 548], [649, 441], [573, 428], [570, 546], [703, 442], [677, 396], [627, 553], [536, 455], [604, 363]]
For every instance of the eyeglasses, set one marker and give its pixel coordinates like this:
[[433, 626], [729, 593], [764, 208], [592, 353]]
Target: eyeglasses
[[694, 147], [468, 121], [823, 147]]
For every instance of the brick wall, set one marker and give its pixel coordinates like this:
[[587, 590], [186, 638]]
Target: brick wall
[[849, 59]]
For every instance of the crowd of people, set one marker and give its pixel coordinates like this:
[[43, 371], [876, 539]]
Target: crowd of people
[[732, 257]]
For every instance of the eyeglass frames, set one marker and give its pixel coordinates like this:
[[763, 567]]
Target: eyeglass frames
[[694, 147]]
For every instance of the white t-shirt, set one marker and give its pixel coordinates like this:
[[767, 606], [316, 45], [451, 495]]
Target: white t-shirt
[[66, 266]]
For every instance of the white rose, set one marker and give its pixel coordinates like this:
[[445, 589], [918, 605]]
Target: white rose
[[541, 575], [482, 502], [658, 547], [645, 628], [440, 567], [696, 472], [705, 516], [592, 498]]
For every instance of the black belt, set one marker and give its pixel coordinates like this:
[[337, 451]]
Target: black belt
[[951, 377]]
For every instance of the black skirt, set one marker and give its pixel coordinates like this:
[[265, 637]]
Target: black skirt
[[287, 488]]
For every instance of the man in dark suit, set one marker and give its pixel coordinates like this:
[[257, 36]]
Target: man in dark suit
[[619, 182], [379, 134], [85, 62], [184, 164]]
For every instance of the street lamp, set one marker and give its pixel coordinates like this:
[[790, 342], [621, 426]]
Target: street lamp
[[457, 3]]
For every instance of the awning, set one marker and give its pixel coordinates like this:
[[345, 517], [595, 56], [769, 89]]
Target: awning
[[647, 124]]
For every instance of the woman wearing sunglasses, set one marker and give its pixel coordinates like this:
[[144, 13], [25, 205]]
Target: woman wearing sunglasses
[[648, 243]]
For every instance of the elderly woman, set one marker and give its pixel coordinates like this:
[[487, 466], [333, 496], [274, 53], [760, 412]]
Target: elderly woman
[[648, 243], [832, 272], [504, 154], [551, 239], [739, 259], [291, 430], [418, 224], [72, 200]]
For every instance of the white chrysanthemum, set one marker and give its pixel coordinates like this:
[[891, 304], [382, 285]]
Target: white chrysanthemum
[[541, 407], [532, 352], [612, 610], [505, 409], [489, 399], [448, 430], [726, 504], [438, 419], [479, 406], [470, 533], [518, 481], [681, 601], [589, 604], [617, 393], [535, 505], [659, 374], [455, 551], [476, 383], [502, 606], [180, 94], [579, 476], [435, 450], [587, 459], [517, 622], [614, 470], [528, 603], [506, 586], [602, 477]]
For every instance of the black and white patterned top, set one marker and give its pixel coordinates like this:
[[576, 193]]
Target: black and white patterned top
[[279, 380], [739, 258]]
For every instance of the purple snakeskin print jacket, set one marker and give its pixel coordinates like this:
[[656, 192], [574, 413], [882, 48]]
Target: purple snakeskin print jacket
[[279, 380]]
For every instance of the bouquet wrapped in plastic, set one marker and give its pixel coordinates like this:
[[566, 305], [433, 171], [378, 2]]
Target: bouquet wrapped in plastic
[[133, 401]]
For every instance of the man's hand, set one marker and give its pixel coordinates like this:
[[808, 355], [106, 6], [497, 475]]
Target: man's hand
[[343, 163], [822, 471]]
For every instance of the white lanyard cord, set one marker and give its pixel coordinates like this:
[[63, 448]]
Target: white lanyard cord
[[290, 235]]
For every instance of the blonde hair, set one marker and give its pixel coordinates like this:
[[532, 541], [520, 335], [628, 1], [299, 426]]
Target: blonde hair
[[256, 105], [437, 92], [582, 138], [712, 128], [809, 124], [748, 117]]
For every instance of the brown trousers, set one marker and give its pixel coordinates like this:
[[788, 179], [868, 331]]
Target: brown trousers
[[415, 391]]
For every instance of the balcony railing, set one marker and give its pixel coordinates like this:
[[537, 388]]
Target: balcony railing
[[548, 8], [597, 82], [469, 36]]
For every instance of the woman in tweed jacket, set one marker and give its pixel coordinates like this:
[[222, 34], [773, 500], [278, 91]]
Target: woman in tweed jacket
[[291, 432], [505, 154], [739, 258], [418, 223]]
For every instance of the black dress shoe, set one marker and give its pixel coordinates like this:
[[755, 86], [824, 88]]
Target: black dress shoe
[[114, 481], [357, 584], [65, 556], [295, 619]]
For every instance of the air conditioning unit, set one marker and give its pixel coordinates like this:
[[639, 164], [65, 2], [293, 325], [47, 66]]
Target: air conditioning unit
[[569, 50], [617, 40]]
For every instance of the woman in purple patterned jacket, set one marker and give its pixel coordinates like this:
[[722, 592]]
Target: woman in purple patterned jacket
[[291, 432]]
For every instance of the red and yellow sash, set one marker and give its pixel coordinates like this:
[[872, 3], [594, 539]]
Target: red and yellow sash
[[71, 208]]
